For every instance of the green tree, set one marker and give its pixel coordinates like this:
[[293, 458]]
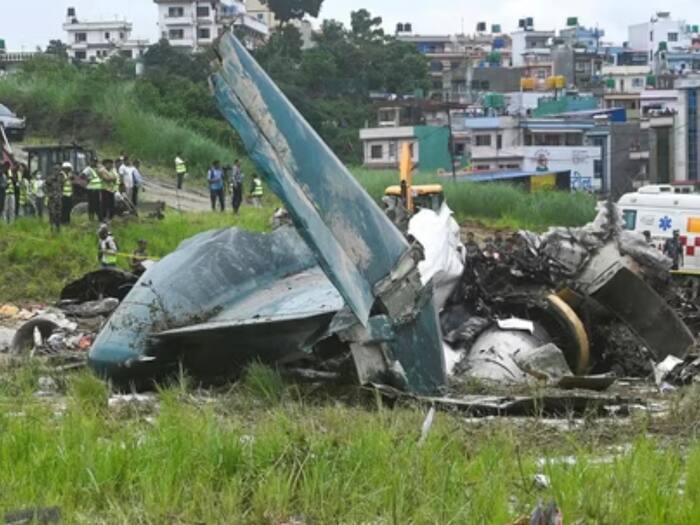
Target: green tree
[[286, 10], [57, 48]]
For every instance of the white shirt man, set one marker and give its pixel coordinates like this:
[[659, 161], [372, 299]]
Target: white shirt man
[[126, 175]]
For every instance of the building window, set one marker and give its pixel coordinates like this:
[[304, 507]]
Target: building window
[[204, 32], [121, 36], [176, 12], [202, 11], [651, 36], [81, 37], [483, 140], [80, 55], [673, 37], [499, 141], [127, 53], [574, 139], [377, 151], [482, 167], [638, 82], [392, 150], [107, 35], [176, 34], [435, 65]]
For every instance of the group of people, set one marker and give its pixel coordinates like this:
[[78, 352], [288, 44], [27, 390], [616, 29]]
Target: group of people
[[21, 193], [108, 252], [223, 180]]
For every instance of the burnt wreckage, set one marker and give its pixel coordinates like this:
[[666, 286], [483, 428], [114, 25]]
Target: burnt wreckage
[[345, 285]]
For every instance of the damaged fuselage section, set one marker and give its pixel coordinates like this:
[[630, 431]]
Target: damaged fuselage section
[[346, 272]]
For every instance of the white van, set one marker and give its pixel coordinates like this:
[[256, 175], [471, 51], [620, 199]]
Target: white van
[[661, 209]]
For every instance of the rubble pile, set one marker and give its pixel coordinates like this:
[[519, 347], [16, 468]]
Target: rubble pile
[[599, 278]]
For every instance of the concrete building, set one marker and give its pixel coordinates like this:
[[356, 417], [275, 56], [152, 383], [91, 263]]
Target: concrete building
[[11, 61], [454, 57], [193, 24], [588, 39], [624, 86], [661, 31], [96, 41], [530, 46]]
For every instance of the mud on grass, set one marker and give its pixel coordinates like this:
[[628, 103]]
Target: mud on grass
[[264, 451]]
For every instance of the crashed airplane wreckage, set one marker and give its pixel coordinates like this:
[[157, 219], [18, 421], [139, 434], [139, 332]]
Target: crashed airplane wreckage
[[225, 296], [346, 282]]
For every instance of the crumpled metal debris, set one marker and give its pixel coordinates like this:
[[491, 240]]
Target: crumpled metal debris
[[605, 314]]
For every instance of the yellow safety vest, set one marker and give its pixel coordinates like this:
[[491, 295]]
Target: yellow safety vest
[[180, 166], [23, 192], [10, 188], [258, 189], [67, 186], [94, 180], [112, 186]]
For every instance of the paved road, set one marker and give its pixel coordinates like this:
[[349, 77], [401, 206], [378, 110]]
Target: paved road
[[186, 200]]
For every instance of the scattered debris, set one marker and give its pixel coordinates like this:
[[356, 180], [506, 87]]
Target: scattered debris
[[100, 284], [427, 425], [38, 516]]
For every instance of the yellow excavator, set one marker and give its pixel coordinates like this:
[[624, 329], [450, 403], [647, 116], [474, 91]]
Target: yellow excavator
[[412, 197]]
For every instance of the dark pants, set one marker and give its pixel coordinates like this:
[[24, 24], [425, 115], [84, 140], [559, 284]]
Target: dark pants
[[39, 205], [237, 198], [180, 180], [66, 208], [107, 205], [94, 207], [135, 196], [217, 195], [2, 201]]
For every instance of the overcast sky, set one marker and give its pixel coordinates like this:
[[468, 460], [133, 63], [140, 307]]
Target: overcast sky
[[28, 23]]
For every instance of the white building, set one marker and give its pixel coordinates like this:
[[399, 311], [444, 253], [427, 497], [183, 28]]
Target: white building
[[649, 36], [97, 41], [528, 43], [192, 24]]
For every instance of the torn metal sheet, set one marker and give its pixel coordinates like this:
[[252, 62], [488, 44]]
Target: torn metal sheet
[[363, 254], [230, 292], [106, 282]]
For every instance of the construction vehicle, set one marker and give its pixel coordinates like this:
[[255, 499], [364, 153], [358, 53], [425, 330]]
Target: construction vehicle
[[410, 197]]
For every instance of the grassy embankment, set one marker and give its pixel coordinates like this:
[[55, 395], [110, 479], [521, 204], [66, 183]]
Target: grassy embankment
[[497, 205], [36, 265], [266, 453]]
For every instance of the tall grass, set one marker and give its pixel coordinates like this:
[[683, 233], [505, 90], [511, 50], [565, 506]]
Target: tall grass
[[496, 203], [36, 265], [76, 108], [229, 461]]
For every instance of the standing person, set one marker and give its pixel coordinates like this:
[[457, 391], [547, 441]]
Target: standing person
[[256, 191], [673, 249], [138, 182], [9, 211], [180, 170], [107, 248], [237, 180], [110, 181], [67, 199], [25, 191], [94, 190], [39, 193], [215, 177], [126, 178], [4, 177], [54, 191]]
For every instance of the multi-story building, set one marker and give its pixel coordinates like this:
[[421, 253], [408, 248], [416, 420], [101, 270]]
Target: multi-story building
[[193, 24], [582, 37], [661, 32], [97, 41], [531, 46], [624, 86], [454, 57]]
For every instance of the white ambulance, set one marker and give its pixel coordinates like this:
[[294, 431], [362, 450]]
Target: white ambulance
[[661, 209]]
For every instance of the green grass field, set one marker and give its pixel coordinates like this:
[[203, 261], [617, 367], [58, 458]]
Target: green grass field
[[497, 205], [36, 265], [263, 452]]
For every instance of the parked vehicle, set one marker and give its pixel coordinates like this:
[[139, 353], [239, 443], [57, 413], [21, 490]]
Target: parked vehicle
[[660, 210], [14, 125]]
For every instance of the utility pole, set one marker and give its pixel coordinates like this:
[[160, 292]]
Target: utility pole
[[452, 143]]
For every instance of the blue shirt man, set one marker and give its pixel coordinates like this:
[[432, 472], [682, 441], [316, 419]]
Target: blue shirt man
[[215, 177]]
